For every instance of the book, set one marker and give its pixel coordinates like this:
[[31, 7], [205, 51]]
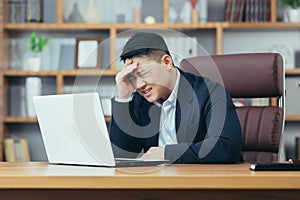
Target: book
[[256, 11], [252, 11], [247, 11], [232, 10], [241, 12], [16, 150], [266, 10], [227, 10], [22, 150], [17, 11], [9, 150]]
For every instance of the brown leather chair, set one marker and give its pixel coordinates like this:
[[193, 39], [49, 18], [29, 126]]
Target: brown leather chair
[[254, 75]]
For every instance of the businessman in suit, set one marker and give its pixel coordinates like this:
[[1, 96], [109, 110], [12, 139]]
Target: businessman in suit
[[162, 112]]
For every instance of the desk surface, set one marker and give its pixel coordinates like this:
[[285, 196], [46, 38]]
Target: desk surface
[[205, 176]]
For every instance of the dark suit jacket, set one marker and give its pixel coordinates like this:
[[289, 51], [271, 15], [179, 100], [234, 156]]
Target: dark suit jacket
[[207, 126]]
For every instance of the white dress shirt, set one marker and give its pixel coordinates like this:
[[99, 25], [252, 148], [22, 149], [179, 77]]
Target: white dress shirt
[[167, 133]]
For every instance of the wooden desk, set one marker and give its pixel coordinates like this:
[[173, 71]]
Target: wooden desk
[[44, 181]]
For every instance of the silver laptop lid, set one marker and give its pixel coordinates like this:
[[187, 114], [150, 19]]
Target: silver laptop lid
[[73, 129]]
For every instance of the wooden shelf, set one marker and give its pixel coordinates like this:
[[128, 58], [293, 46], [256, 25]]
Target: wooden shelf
[[84, 26], [29, 73], [55, 26], [208, 25], [81, 72], [292, 71], [292, 118], [88, 72], [21, 120], [260, 25], [91, 72], [288, 118]]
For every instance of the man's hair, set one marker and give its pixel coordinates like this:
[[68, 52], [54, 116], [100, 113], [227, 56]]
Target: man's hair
[[149, 44]]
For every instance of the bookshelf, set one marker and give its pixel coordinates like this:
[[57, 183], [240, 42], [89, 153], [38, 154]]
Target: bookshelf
[[215, 30]]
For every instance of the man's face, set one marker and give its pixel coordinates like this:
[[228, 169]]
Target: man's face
[[150, 79]]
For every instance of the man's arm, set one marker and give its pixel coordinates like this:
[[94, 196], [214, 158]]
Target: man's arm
[[125, 140]]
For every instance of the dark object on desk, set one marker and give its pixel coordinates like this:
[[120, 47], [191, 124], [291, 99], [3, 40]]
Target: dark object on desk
[[275, 167]]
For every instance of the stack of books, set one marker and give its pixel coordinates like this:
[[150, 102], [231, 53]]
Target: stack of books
[[247, 10], [17, 9]]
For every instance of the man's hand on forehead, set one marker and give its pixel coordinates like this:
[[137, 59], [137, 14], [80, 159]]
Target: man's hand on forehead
[[135, 69], [143, 69]]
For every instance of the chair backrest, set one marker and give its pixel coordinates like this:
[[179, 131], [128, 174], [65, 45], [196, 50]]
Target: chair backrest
[[254, 75]]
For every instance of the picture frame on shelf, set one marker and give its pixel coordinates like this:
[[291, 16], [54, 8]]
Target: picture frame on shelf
[[87, 52]]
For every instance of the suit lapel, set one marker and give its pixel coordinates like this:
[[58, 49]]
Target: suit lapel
[[186, 111]]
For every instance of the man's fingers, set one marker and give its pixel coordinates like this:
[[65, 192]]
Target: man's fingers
[[154, 153], [126, 71], [128, 62]]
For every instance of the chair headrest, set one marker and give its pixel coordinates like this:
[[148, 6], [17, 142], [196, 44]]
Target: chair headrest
[[243, 75]]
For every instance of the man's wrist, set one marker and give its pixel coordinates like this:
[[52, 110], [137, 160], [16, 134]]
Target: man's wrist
[[123, 100]]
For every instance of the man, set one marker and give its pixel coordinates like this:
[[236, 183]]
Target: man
[[170, 114]]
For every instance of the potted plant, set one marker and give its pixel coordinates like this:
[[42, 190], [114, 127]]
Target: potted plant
[[36, 45], [294, 12]]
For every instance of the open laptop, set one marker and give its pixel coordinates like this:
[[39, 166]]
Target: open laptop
[[74, 131]]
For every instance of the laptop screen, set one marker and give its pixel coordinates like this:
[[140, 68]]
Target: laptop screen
[[73, 129]]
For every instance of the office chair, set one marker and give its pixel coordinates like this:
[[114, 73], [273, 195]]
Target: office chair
[[254, 75]]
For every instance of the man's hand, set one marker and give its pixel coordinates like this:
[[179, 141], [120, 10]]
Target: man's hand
[[154, 153], [124, 80]]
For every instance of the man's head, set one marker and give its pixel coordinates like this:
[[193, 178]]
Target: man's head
[[155, 75], [148, 44]]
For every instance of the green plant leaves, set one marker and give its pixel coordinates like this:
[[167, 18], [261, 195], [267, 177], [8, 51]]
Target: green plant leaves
[[294, 3], [37, 42]]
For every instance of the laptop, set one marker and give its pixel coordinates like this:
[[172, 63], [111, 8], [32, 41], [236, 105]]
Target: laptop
[[74, 131]]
